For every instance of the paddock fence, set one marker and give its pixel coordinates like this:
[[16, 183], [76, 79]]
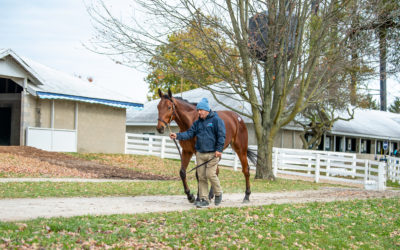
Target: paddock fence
[[393, 165], [319, 165]]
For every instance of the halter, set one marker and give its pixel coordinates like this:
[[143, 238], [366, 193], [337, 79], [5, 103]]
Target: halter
[[167, 124], [170, 119]]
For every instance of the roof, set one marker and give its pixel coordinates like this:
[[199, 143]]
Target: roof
[[149, 114], [366, 123], [371, 124], [49, 83]]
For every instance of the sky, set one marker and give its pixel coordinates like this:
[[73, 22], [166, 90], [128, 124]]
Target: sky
[[53, 32]]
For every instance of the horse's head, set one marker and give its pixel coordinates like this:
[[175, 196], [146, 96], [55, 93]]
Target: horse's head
[[166, 110]]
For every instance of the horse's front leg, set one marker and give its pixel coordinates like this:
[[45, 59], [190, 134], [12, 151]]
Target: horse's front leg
[[186, 156]]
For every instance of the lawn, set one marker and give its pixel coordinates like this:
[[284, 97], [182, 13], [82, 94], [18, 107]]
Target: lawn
[[366, 224]]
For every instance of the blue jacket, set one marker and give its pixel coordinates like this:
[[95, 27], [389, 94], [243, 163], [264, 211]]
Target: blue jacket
[[210, 133]]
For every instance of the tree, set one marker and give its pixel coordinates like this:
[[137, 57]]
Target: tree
[[317, 122], [379, 23], [395, 107], [368, 102], [318, 118], [171, 67], [288, 55]]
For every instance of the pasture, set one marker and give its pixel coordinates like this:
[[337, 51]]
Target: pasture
[[371, 223]]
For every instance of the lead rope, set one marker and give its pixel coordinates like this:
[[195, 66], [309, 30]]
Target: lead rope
[[176, 144], [170, 131]]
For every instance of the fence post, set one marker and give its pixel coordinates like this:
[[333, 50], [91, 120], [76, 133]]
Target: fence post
[[396, 171], [353, 166], [328, 166], [150, 145], [275, 163], [309, 165], [390, 169], [381, 177], [163, 141], [366, 171], [236, 162], [317, 168]]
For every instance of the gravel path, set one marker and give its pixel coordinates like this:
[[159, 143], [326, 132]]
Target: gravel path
[[23, 209]]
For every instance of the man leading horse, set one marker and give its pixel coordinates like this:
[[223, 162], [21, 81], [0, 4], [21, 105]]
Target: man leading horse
[[209, 130], [185, 114]]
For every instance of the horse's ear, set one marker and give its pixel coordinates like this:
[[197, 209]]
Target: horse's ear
[[160, 93], [169, 93]]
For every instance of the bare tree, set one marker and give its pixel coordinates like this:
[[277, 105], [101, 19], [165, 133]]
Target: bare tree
[[376, 23], [286, 53], [317, 120], [319, 117]]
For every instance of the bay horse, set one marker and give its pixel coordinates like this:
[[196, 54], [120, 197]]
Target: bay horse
[[184, 114]]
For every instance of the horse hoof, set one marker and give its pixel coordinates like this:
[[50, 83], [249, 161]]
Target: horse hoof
[[191, 198], [246, 200]]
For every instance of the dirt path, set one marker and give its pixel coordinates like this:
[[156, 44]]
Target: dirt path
[[24, 209]]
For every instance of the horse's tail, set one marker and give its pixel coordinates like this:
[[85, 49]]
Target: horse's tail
[[252, 155]]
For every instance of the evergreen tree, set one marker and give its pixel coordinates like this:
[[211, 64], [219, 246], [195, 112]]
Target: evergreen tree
[[395, 107]]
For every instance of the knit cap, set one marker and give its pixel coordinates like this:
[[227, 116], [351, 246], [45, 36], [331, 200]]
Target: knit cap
[[203, 104]]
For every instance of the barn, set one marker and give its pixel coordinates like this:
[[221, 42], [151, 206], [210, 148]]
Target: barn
[[367, 134], [52, 110]]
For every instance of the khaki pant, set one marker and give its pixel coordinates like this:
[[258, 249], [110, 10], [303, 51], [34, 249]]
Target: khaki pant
[[207, 172]]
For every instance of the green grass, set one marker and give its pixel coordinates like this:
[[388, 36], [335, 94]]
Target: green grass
[[74, 189], [392, 184], [366, 224]]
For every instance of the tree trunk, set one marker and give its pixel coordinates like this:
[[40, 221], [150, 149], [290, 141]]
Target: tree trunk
[[382, 66], [264, 161], [353, 83]]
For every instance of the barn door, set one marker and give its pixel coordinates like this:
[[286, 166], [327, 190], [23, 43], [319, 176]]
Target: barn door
[[5, 126]]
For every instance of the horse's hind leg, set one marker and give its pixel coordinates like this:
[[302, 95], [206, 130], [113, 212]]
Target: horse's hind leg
[[246, 173]]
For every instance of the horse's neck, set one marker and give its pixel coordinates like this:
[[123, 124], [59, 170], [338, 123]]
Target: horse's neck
[[186, 115]]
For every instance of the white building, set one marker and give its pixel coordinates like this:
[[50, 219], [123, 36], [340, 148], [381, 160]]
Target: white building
[[49, 109]]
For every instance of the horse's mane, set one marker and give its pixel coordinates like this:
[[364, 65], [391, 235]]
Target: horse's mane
[[181, 99], [191, 103]]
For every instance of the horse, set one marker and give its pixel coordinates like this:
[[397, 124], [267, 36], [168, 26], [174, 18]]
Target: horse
[[184, 114]]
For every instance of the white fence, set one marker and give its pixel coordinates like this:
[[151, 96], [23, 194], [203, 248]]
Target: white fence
[[334, 166], [319, 165], [393, 164], [60, 140]]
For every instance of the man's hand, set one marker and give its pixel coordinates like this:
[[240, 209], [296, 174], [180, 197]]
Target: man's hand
[[172, 136], [218, 154]]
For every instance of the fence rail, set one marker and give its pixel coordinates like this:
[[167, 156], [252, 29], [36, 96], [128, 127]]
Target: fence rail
[[320, 165]]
